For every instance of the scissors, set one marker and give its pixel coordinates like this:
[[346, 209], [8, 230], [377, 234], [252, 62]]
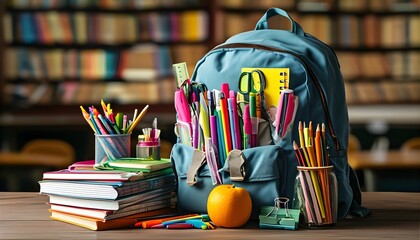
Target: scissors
[[253, 81]]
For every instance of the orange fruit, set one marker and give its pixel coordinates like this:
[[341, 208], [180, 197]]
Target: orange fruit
[[229, 206]]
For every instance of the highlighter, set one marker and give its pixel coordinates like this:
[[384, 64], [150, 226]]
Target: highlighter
[[232, 122], [236, 127], [254, 118], [247, 127]]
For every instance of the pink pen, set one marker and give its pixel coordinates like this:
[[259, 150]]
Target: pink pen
[[180, 226], [278, 115], [225, 89], [247, 127], [182, 108], [290, 109], [237, 131]]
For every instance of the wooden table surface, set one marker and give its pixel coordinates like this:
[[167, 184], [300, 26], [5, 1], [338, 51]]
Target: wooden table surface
[[394, 216]]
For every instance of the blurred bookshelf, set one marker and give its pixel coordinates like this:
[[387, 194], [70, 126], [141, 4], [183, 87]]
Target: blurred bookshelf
[[377, 42], [59, 54]]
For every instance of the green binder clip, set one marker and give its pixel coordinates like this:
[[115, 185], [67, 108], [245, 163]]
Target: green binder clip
[[279, 218]]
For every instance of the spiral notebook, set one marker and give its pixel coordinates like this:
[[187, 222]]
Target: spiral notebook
[[276, 80]]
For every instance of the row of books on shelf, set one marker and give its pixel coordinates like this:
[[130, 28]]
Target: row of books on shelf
[[395, 64], [326, 5], [107, 199], [105, 28], [140, 63], [103, 4], [73, 92], [382, 92], [348, 31]]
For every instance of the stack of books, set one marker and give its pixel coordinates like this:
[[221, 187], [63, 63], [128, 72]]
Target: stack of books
[[109, 199]]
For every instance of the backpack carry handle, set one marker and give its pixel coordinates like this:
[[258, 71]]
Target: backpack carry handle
[[263, 22]]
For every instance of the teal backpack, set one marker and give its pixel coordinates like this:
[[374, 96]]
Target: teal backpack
[[316, 80]]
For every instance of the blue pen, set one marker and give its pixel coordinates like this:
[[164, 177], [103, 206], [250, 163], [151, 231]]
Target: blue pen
[[197, 223]]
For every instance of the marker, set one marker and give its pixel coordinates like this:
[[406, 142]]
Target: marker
[[247, 128], [180, 226], [254, 119], [157, 223], [181, 220], [225, 123]]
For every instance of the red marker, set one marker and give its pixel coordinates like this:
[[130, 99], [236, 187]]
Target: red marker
[[180, 226]]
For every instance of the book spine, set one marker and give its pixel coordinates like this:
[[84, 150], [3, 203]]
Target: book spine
[[144, 185]]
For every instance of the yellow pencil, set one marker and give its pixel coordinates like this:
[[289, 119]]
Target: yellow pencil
[[306, 135], [301, 139], [305, 155], [318, 146], [86, 117], [310, 134], [104, 107], [139, 117]]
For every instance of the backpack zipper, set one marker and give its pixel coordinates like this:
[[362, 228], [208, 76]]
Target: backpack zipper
[[311, 73]]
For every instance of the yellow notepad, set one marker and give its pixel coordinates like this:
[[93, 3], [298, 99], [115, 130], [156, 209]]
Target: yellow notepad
[[276, 79]]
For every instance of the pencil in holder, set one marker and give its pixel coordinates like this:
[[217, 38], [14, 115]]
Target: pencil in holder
[[316, 196], [111, 147]]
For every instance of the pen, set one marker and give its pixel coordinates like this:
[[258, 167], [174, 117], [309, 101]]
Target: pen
[[195, 131], [150, 223], [258, 105], [289, 111], [237, 130], [182, 108], [210, 96], [232, 122], [197, 223], [180, 226], [204, 116], [254, 119], [247, 127], [180, 220]]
